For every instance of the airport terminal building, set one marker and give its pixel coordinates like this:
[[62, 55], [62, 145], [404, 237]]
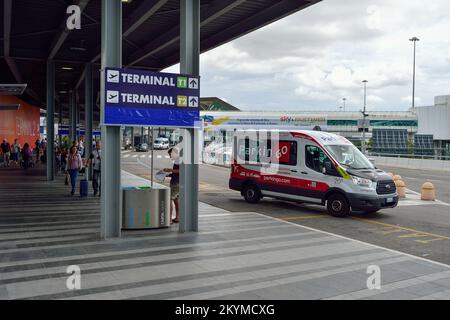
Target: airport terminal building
[[422, 131]]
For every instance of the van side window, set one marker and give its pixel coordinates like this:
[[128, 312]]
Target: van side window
[[314, 157], [263, 152], [286, 153]]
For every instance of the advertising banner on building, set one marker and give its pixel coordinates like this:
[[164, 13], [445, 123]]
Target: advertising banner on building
[[22, 123], [144, 98], [264, 122]]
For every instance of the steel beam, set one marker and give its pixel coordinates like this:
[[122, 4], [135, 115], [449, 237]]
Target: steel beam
[[189, 64], [216, 10], [143, 13], [88, 114], [7, 14], [59, 39], [50, 161], [277, 11], [138, 17], [111, 53], [72, 118]]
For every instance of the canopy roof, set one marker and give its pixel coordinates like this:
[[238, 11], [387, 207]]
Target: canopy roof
[[34, 32]]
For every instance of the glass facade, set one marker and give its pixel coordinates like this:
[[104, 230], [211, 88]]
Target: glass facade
[[393, 141], [374, 123], [393, 123], [342, 122], [423, 144]]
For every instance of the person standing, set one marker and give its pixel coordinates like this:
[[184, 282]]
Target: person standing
[[174, 183], [37, 144], [95, 160], [26, 155], [15, 150], [74, 164], [81, 147], [6, 150]]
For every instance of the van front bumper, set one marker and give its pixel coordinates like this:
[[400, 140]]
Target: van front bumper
[[359, 202]]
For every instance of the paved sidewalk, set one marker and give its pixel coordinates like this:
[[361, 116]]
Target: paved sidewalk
[[234, 256]]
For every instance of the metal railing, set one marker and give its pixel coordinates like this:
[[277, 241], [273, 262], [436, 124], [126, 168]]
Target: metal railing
[[409, 156]]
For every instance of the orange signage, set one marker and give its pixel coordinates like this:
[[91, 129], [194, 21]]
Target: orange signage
[[21, 124]]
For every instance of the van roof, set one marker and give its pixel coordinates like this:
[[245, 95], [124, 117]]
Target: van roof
[[321, 137]]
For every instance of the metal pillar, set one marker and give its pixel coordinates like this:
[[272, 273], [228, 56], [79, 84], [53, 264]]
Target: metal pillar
[[132, 137], [88, 111], [72, 118], [60, 108], [189, 64], [363, 145], [77, 117], [111, 55], [50, 120], [414, 40]]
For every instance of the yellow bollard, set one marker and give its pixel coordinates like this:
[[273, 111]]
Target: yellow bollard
[[401, 188], [427, 192]]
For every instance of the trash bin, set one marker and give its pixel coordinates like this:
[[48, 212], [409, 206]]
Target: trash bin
[[144, 206]]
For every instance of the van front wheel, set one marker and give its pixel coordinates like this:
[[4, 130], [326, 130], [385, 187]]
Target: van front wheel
[[251, 193], [337, 205]]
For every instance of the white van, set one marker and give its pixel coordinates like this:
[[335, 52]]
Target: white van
[[161, 144], [308, 166]]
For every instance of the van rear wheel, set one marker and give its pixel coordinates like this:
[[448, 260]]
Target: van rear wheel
[[337, 205], [251, 193]]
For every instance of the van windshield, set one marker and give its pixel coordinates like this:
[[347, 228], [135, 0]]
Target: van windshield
[[349, 156]]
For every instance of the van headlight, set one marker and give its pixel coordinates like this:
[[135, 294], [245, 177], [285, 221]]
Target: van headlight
[[362, 181]]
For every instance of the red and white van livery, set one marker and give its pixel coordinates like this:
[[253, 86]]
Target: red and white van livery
[[308, 166]]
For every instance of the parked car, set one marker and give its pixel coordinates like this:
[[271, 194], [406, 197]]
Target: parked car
[[142, 147], [161, 144]]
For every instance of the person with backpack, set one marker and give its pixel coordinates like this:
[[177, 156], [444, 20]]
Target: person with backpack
[[74, 164]]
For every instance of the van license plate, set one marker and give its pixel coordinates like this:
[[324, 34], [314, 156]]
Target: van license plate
[[389, 200]]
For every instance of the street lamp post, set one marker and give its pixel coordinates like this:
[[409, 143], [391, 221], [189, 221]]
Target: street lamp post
[[363, 144], [414, 40], [344, 99]]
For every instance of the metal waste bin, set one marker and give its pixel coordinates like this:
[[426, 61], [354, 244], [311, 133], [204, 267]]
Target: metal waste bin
[[146, 207]]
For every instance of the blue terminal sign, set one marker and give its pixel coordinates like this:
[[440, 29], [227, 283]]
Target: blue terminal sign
[[144, 98]]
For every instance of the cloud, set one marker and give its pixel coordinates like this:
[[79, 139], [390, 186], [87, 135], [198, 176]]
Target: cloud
[[409, 99], [314, 58]]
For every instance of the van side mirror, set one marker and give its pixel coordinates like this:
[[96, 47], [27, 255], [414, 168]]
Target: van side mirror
[[328, 168]]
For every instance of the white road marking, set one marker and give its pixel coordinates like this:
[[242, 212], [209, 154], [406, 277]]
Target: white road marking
[[159, 156], [413, 199], [126, 156], [135, 155], [143, 156]]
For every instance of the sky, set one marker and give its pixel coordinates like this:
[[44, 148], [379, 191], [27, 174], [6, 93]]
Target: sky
[[312, 59]]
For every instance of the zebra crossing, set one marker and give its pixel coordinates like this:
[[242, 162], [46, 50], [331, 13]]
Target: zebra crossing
[[143, 156]]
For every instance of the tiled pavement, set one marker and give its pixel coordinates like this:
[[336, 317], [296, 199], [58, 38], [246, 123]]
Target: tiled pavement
[[234, 256]]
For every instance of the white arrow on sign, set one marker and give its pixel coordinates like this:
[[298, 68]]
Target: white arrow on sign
[[193, 83], [193, 102]]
